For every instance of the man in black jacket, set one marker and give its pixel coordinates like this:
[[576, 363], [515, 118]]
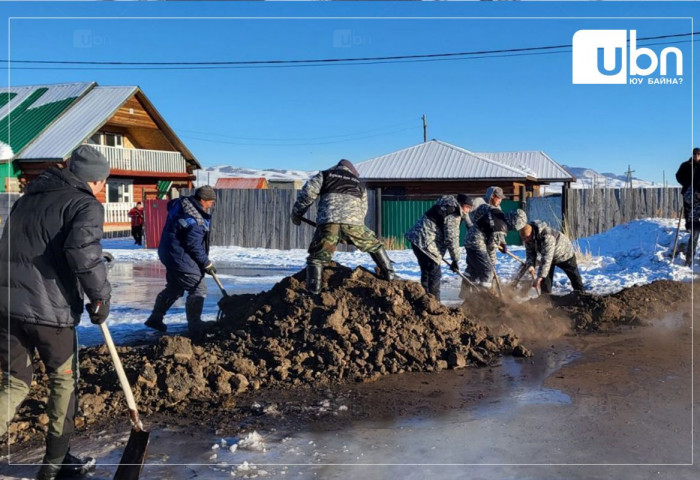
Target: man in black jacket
[[690, 189], [51, 243]]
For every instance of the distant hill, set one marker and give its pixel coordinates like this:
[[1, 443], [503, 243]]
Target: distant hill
[[585, 177]]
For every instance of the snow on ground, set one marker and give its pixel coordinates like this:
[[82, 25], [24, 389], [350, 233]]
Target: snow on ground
[[634, 253]]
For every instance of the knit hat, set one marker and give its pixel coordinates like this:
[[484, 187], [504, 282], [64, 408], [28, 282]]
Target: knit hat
[[463, 199], [516, 219], [88, 164], [205, 192], [348, 164]]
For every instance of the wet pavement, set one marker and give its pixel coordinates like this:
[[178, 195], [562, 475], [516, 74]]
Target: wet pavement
[[594, 407]]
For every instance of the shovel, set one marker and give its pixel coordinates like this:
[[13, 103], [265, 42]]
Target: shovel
[[134, 454], [531, 270], [223, 301]]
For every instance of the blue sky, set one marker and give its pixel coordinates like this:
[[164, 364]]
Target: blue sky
[[307, 118]]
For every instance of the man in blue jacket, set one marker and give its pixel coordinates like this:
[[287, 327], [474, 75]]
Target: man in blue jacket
[[184, 250]]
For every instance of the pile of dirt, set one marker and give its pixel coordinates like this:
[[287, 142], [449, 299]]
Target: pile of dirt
[[359, 328], [632, 306]]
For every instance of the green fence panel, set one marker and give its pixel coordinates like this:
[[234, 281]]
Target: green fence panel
[[398, 216]]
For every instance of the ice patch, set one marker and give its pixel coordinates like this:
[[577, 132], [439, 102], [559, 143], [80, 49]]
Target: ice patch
[[252, 441]]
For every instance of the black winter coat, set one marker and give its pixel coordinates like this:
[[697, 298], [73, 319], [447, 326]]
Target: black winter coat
[[685, 177], [51, 242]]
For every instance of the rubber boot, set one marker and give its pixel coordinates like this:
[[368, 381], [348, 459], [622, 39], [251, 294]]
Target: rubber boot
[[193, 311], [162, 305], [314, 274], [383, 261]]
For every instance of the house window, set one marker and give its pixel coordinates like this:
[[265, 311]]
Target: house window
[[108, 139], [120, 191]]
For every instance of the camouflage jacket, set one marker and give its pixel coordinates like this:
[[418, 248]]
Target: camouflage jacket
[[552, 246], [437, 231], [482, 235], [343, 198]]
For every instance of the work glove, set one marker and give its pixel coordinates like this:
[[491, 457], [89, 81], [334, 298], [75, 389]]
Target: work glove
[[503, 248], [454, 266], [107, 257], [296, 219], [210, 268], [98, 311]]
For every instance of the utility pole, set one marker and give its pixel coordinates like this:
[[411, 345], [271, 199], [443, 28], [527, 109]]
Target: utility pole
[[629, 173], [425, 129]]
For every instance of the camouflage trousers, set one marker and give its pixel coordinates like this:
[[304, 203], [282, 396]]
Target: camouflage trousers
[[328, 236]]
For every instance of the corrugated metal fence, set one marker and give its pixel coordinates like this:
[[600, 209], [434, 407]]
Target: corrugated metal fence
[[260, 219], [592, 211]]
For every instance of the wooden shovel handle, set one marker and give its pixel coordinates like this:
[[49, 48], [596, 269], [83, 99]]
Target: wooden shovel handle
[[134, 414]]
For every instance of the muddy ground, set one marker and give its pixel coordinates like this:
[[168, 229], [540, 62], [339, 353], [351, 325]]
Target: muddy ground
[[293, 350]]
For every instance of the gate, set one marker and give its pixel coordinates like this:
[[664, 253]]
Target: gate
[[155, 214]]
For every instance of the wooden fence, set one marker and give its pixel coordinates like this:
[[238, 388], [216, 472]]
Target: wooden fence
[[592, 211], [261, 219]]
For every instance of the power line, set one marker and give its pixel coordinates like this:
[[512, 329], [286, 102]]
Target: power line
[[300, 143], [109, 65], [301, 139]]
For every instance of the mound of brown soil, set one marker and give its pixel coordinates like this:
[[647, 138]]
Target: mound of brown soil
[[631, 306], [358, 328]]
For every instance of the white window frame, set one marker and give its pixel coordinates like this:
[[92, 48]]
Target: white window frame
[[126, 191]]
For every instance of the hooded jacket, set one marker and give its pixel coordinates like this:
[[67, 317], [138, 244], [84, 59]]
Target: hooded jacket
[[553, 247], [343, 197], [437, 231], [184, 245], [51, 243]]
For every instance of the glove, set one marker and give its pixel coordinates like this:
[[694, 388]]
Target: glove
[[98, 311], [503, 248], [296, 219], [210, 268], [107, 257], [454, 266]]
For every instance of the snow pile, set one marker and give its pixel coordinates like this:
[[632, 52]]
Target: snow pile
[[6, 152]]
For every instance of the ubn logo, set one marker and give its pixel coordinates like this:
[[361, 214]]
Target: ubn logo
[[600, 56]]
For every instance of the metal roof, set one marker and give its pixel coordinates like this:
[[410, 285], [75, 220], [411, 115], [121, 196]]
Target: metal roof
[[28, 111], [77, 124], [539, 163], [436, 160], [241, 183]]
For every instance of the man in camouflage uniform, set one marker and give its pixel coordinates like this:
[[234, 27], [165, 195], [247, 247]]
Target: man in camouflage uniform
[[436, 232], [341, 218], [555, 250], [485, 236]]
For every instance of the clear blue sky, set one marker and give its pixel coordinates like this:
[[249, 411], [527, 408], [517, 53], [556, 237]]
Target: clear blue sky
[[307, 118]]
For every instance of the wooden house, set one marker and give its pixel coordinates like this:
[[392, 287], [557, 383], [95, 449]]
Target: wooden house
[[40, 125], [408, 181], [251, 183]]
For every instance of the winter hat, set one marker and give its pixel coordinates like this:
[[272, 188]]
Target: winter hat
[[205, 192], [88, 164], [696, 150], [493, 191], [348, 164], [516, 219], [463, 199]]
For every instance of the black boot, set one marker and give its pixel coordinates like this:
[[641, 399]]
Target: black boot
[[193, 311], [71, 467], [313, 278], [383, 261]]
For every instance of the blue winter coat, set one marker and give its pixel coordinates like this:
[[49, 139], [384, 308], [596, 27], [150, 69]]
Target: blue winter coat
[[184, 245]]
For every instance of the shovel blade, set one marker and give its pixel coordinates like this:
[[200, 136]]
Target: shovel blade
[[133, 457]]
